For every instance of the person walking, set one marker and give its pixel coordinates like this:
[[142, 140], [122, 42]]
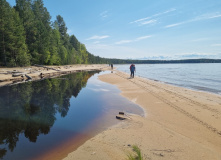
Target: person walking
[[132, 70]]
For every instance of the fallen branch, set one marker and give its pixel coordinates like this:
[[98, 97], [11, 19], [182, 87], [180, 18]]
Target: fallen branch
[[46, 67]]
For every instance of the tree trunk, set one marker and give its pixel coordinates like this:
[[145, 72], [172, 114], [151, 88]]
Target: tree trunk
[[4, 51]]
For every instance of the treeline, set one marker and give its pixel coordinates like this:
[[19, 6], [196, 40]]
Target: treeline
[[27, 37], [130, 61]]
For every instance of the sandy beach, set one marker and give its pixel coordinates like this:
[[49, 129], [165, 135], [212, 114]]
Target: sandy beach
[[179, 124], [14, 75]]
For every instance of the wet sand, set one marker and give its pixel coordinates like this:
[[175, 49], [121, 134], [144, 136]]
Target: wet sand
[[180, 124]]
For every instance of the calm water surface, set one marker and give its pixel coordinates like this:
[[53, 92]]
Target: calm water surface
[[201, 77], [36, 117]]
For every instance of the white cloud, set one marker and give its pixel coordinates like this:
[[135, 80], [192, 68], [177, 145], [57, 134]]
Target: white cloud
[[143, 37], [169, 10], [208, 16], [142, 21], [137, 39], [215, 16], [173, 25], [123, 51], [165, 12], [97, 37], [193, 55], [148, 22], [157, 57], [200, 39], [123, 41], [104, 14], [113, 51], [198, 18], [96, 42], [216, 45]]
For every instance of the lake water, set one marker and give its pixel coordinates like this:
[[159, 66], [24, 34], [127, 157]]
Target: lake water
[[41, 116], [201, 76]]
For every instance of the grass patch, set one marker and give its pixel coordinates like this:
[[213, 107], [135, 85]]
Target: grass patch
[[136, 155]]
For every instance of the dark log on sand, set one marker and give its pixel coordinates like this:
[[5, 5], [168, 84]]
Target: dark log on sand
[[120, 117], [122, 113], [29, 77]]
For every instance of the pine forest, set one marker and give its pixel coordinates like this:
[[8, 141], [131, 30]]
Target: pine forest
[[28, 37]]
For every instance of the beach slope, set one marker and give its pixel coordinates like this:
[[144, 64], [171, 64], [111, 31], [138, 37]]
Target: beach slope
[[179, 124]]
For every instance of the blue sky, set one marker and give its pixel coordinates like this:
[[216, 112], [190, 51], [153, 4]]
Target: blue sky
[[143, 29]]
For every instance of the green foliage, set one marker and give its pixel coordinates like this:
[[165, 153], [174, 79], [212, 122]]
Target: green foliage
[[61, 26], [13, 49], [75, 43], [26, 14], [136, 155], [27, 36]]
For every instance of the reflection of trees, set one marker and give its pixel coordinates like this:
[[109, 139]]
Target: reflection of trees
[[30, 108], [2, 152]]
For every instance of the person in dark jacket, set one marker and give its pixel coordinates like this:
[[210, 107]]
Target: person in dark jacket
[[132, 70]]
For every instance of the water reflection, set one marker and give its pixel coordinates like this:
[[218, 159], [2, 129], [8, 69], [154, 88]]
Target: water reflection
[[30, 108]]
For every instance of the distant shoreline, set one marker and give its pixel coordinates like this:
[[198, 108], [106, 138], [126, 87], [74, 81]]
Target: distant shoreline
[[129, 61]]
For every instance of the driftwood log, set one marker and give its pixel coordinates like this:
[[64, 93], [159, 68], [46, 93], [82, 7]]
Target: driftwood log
[[46, 67], [29, 77], [122, 113], [120, 117], [17, 74]]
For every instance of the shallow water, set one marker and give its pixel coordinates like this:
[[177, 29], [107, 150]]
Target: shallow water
[[37, 117], [198, 76]]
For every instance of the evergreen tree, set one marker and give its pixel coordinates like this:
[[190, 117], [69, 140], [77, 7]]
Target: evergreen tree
[[27, 37], [24, 8], [13, 50], [61, 25], [76, 53], [4, 32], [75, 43], [54, 48], [43, 25], [19, 52], [64, 47], [84, 55]]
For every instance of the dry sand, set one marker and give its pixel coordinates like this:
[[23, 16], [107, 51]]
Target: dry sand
[[180, 124], [38, 72]]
